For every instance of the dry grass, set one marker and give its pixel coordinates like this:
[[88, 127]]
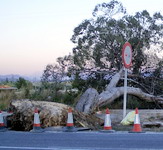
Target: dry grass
[[5, 99]]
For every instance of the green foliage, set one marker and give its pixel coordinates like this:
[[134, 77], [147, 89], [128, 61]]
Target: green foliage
[[94, 80], [61, 96], [98, 43], [158, 73], [22, 83], [5, 99], [103, 36], [7, 82], [132, 103]]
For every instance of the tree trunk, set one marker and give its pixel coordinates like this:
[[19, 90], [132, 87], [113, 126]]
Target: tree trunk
[[88, 105], [87, 100], [107, 97], [50, 114]]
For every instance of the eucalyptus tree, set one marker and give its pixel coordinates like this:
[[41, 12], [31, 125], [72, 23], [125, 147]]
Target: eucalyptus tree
[[98, 44], [99, 40]]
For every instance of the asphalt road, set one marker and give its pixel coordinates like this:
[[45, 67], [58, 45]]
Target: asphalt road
[[12, 140]]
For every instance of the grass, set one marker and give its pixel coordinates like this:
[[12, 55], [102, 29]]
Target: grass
[[5, 99]]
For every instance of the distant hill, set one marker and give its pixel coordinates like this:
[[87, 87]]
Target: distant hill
[[15, 77]]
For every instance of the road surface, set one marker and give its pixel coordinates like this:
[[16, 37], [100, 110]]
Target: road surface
[[12, 140]]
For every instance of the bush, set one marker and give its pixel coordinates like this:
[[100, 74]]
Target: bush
[[132, 103], [5, 99]]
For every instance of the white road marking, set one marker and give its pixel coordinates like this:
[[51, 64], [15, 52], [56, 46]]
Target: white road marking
[[40, 148], [59, 148]]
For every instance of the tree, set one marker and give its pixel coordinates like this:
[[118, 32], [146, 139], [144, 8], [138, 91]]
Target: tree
[[53, 80], [99, 40], [92, 101], [96, 58], [24, 85], [21, 83], [98, 43]]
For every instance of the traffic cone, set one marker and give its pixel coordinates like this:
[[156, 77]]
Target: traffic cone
[[70, 124], [2, 125], [107, 123], [36, 124], [137, 127]]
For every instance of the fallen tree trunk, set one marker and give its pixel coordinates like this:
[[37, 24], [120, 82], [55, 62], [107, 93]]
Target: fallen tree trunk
[[107, 97], [87, 100], [89, 103], [50, 113]]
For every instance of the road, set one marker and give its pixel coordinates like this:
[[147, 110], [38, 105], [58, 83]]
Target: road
[[11, 140]]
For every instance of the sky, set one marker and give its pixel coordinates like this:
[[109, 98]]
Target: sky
[[33, 33]]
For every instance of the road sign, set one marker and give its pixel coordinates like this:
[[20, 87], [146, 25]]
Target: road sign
[[127, 60], [127, 55]]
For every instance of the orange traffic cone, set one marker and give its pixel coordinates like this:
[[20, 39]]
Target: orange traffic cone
[[107, 123], [2, 125], [70, 124], [36, 124], [137, 127]]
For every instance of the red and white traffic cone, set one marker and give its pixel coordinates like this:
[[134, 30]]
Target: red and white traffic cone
[[70, 123], [107, 122], [2, 125], [36, 124], [137, 127]]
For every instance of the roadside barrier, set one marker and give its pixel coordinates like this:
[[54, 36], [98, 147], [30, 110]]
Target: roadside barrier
[[107, 123], [36, 124], [70, 123], [2, 125], [137, 127]]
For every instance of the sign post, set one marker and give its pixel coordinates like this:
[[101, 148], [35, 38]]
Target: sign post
[[127, 61]]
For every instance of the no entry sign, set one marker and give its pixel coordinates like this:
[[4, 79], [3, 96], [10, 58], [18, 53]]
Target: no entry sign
[[127, 61], [127, 55]]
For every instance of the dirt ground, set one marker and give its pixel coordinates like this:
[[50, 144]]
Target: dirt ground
[[151, 116]]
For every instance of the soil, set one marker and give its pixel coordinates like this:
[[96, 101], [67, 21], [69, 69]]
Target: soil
[[146, 116]]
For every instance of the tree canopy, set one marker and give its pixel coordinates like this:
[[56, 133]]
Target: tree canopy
[[99, 40], [98, 43]]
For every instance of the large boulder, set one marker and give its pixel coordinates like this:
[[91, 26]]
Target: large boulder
[[50, 113]]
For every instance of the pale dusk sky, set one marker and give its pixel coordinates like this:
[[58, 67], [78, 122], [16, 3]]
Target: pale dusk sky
[[33, 33]]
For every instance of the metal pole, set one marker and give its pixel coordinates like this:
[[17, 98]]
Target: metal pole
[[125, 94]]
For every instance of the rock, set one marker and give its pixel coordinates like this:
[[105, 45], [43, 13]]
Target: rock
[[50, 113]]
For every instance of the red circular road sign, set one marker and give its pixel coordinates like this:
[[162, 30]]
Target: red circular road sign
[[127, 55]]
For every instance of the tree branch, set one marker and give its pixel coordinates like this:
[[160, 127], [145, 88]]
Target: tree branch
[[114, 80], [107, 97]]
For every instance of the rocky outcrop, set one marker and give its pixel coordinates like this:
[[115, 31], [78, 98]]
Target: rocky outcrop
[[51, 114]]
